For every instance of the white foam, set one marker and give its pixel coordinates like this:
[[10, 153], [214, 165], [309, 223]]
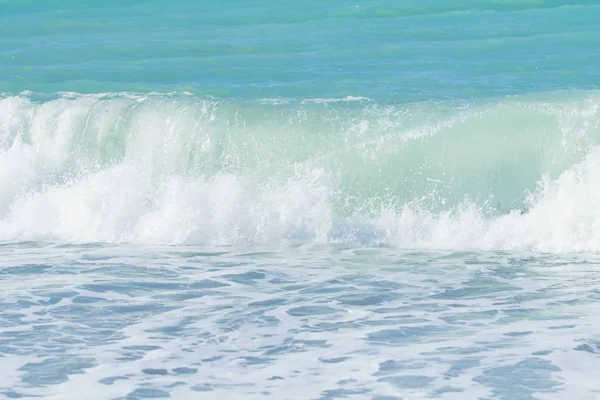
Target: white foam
[[471, 322], [96, 168], [337, 100]]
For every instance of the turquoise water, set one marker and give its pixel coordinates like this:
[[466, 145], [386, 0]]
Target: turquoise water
[[389, 51], [305, 200]]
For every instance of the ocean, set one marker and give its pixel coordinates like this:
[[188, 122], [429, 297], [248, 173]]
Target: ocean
[[314, 200]]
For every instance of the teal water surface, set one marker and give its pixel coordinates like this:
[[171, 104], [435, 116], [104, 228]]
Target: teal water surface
[[390, 51]]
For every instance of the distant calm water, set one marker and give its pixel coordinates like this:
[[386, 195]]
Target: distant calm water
[[299, 200]]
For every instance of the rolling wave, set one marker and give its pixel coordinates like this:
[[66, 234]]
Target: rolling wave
[[510, 173]]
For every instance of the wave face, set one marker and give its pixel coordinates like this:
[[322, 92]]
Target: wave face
[[512, 173]]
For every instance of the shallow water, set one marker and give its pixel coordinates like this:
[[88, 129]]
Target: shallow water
[[296, 322]]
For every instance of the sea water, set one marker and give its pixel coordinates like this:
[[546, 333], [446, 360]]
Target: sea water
[[299, 200]]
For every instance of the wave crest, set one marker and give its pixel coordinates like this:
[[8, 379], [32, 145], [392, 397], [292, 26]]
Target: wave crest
[[182, 170]]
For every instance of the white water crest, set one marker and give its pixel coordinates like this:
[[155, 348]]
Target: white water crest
[[515, 173]]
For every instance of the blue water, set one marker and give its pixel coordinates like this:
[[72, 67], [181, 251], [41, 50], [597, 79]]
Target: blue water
[[299, 201], [389, 51]]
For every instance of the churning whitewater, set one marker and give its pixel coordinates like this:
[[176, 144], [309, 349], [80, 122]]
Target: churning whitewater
[[516, 173]]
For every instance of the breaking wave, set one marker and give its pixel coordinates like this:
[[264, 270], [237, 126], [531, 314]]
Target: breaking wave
[[511, 173]]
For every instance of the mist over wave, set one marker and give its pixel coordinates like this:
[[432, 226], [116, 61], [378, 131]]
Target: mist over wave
[[511, 173]]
